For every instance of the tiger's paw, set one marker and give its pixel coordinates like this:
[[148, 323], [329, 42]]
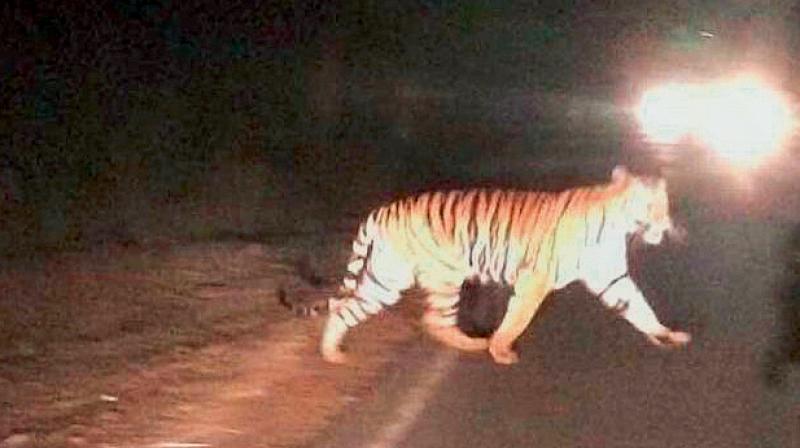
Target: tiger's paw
[[679, 338], [334, 356], [671, 339], [504, 355]]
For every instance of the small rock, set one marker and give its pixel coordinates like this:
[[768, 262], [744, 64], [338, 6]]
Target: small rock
[[349, 399], [109, 416], [17, 441], [27, 349], [77, 441], [108, 398], [254, 250]]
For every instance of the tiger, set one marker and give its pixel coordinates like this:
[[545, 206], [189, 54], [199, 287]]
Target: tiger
[[533, 241]]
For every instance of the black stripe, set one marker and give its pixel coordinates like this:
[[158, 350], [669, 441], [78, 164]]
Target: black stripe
[[442, 208], [586, 228], [414, 236], [512, 216], [610, 285], [341, 316], [602, 225], [370, 276], [428, 206], [505, 202], [446, 263], [425, 203], [359, 303], [482, 259], [538, 201], [362, 303], [516, 211], [387, 216], [480, 196], [472, 225], [570, 196], [456, 195], [504, 267], [553, 253], [424, 200], [493, 220]]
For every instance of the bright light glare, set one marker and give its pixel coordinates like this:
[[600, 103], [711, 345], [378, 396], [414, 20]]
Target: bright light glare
[[666, 112], [741, 119]]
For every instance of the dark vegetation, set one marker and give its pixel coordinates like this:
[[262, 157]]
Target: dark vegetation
[[136, 120], [785, 350]]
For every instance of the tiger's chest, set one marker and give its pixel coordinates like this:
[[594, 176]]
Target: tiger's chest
[[602, 259]]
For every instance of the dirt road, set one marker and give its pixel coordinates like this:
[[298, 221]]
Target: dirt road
[[182, 345]]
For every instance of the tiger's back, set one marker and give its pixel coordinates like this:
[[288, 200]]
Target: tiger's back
[[491, 233]]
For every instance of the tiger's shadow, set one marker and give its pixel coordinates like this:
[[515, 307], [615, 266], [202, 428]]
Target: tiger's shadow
[[481, 306]]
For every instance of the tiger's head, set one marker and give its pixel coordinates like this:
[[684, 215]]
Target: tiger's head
[[646, 204]]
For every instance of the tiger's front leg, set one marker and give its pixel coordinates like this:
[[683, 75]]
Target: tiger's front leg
[[529, 293], [627, 300]]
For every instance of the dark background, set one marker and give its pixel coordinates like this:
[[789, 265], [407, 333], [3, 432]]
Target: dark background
[[128, 121]]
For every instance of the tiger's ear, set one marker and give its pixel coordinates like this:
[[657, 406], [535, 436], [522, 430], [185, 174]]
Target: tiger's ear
[[619, 174]]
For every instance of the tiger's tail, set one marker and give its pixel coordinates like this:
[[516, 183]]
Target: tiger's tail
[[309, 275], [355, 271], [312, 309]]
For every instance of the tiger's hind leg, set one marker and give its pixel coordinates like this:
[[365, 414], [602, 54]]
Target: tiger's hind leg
[[440, 321], [379, 285], [529, 293]]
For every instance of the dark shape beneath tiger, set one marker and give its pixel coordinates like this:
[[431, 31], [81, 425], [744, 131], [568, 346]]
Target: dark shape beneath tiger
[[481, 306]]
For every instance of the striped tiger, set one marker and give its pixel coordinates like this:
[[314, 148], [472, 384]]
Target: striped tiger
[[535, 242]]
